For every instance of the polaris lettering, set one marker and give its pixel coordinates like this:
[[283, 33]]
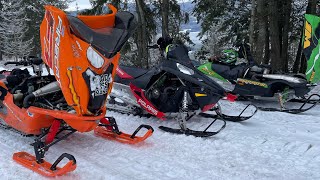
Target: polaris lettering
[[148, 107]]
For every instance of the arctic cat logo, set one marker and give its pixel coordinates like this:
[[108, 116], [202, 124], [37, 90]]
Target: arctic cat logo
[[205, 69], [57, 47], [307, 34], [148, 107], [246, 81]]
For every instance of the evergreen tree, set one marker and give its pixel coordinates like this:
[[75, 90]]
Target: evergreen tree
[[0, 36], [13, 30], [224, 23], [35, 13]]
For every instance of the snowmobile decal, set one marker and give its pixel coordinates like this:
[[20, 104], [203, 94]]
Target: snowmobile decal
[[200, 95], [123, 74], [75, 97], [143, 101], [57, 48], [48, 39], [206, 69], [307, 32], [246, 81], [311, 47]]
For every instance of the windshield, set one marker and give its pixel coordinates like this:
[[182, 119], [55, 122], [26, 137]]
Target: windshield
[[108, 40]]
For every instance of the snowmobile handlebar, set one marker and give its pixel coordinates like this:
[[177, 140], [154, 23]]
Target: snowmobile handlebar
[[30, 61]]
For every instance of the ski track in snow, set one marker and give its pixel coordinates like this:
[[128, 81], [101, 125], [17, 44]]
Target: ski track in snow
[[271, 145]]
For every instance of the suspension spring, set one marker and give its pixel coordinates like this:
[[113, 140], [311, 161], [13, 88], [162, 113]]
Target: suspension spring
[[185, 101]]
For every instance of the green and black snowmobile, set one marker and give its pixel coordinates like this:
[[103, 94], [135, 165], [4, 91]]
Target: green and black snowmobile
[[249, 80]]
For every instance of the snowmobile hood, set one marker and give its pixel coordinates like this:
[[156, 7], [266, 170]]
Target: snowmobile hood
[[83, 53], [179, 54]]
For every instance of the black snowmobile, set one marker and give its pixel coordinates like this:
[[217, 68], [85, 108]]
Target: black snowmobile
[[251, 81], [173, 89]]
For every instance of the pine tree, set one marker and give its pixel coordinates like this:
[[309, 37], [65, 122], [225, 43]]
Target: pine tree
[[224, 23], [0, 35], [35, 13], [13, 29]]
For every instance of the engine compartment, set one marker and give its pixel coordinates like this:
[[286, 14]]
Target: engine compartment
[[166, 93], [21, 84]]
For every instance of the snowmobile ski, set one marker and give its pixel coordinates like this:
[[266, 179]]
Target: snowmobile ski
[[108, 129], [303, 108], [226, 117], [195, 133], [37, 163], [45, 168]]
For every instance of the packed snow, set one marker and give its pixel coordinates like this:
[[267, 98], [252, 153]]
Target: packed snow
[[271, 145]]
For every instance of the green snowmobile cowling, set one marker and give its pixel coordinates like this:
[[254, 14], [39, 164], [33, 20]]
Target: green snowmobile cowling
[[207, 70], [311, 47]]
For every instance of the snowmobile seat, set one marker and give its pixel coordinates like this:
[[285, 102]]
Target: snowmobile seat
[[108, 40], [133, 71], [230, 72], [16, 77]]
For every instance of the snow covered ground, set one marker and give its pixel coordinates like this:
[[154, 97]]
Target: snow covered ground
[[271, 145]]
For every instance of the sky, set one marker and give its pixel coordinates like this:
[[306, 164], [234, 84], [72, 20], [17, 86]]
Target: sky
[[83, 4]]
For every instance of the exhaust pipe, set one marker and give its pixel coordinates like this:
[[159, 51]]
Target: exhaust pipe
[[47, 89]]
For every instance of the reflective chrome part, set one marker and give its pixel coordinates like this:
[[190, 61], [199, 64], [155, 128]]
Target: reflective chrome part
[[284, 77], [47, 89], [124, 93], [184, 69]]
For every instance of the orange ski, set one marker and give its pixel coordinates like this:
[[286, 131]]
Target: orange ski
[[45, 168], [108, 129]]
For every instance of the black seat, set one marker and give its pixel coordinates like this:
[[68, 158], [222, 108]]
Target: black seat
[[133, 71], [109, 40], [229, 72]]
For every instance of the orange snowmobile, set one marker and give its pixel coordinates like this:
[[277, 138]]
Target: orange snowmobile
[[83, 52]]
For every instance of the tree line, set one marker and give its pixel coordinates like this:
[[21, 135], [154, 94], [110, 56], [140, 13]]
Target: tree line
[[273, 28], [20, 26]]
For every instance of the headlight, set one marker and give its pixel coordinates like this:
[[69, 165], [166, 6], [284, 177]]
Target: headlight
[[184, 69], [94, 58]]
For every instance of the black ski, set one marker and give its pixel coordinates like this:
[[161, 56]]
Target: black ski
[[226, 117], [195, 133], [301, 109]]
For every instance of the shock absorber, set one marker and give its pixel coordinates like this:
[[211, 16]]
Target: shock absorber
[[185, 101], [184, 111]]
